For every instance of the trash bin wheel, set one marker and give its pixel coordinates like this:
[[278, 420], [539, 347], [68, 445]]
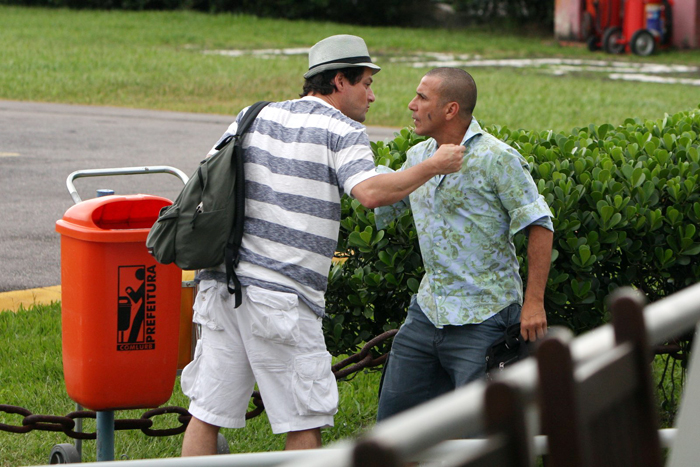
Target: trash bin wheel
[[612, 40], [643, 43], [64, 454], [222, 445]]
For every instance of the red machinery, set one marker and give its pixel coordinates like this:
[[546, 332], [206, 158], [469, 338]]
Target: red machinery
[[600, 15], [646, 26]]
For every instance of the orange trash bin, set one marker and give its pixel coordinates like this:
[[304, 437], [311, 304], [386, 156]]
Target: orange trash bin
[[120, 308]]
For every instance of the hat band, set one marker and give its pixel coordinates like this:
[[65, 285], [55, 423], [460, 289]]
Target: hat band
[[364, 59]]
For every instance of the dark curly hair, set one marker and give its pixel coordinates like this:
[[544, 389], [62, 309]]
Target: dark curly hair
[[322, 83]]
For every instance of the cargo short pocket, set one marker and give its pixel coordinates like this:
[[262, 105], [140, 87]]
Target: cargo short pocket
[[314, 385], [208, 304], [190, 374], [274, 315]]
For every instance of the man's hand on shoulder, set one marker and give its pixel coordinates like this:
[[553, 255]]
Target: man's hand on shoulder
[[447, 159], [388, 188]]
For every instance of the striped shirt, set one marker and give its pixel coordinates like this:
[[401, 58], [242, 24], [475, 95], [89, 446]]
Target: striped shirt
[[301, 156]]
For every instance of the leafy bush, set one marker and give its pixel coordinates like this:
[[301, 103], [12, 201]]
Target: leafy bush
[[626, 207]]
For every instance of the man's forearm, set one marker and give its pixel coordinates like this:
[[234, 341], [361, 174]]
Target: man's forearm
[[533, 318], [385, 189], [539, 257]]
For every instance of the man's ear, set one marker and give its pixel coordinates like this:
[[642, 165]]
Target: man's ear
[[339, 81], [451, 110]]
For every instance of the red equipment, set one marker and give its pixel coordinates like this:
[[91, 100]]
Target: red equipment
[[599, 15], [646, 26]]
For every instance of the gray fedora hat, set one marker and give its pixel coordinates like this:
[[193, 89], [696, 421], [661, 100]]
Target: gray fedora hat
[[337, 52]]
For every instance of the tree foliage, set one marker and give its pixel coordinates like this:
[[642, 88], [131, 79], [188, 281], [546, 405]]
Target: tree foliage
[[364, 12], [516, 11]]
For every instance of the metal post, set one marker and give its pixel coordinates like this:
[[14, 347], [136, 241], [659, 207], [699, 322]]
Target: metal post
[[105, 435]]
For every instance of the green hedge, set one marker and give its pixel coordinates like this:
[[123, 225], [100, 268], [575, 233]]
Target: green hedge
[[626, 207]]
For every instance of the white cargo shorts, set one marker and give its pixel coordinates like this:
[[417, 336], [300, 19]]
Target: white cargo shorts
[[273, 339]]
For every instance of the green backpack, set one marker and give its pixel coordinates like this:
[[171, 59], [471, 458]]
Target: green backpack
[[204, 226]]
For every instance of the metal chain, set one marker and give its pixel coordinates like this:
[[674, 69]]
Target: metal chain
[[363, 359], [66, 424], [30, 422]]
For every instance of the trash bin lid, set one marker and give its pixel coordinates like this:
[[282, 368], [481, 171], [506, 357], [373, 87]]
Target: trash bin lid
[[112, 218]]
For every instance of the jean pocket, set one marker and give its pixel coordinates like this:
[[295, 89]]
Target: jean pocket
[[511, 314], [274, 315], [314, 385]]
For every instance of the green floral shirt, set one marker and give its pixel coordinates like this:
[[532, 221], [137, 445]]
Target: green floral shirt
[[465, 223]]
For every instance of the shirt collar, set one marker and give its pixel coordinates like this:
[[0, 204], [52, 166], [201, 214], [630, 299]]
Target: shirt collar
[[473, 130], [317, 99]]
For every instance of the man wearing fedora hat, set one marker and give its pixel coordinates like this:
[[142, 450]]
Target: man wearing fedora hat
[[301, 156]]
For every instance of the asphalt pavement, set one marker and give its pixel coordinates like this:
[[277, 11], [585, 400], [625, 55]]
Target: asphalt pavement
[[41, 144]]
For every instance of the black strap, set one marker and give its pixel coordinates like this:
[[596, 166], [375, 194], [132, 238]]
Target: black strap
[[512, 336], [232, 253]]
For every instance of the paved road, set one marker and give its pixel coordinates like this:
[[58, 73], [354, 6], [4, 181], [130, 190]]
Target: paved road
[[41, 144]]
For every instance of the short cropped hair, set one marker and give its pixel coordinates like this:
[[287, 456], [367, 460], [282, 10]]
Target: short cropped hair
[[322, 83], [456, 86]]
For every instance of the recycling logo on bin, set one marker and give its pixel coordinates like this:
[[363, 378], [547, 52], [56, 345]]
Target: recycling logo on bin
[[136, 308]]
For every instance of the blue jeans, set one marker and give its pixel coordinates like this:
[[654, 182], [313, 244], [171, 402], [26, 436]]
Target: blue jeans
[[426, 362]]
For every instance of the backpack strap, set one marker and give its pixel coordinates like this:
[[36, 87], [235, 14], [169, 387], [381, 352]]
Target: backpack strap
[[233, 245]]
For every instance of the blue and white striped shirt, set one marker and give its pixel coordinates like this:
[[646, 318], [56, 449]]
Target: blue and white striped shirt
[[300, 157]]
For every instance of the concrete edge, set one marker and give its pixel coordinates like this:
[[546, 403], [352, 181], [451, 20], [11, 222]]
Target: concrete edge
[[13, 300]]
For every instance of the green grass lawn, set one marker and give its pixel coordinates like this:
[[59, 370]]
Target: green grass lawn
[[156, 60], [31, 376]]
